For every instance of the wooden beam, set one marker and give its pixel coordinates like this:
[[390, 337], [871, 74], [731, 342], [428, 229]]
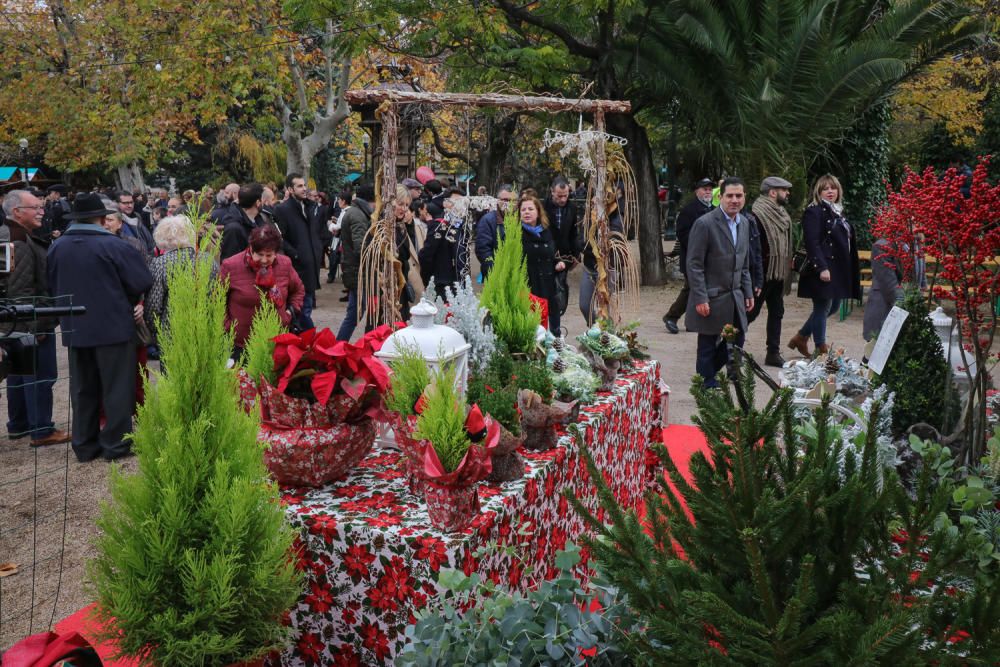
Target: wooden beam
[[522, 102]]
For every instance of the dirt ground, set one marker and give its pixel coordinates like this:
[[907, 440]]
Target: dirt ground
[[48, 501]]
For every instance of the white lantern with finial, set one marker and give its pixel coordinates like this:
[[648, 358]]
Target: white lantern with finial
[[439, 345]]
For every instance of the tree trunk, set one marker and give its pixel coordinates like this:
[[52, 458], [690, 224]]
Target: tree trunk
[[129, 177], [499, 141], [640, 156]]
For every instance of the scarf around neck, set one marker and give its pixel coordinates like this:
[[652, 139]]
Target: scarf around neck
[[777, 226], [263, 275], [535, 230]]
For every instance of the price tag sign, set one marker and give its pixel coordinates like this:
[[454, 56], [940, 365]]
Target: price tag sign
[[887, 339]]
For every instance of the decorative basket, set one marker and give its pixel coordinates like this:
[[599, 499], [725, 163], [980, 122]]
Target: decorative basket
[[315, 456], [451, 508], [285, 410], [508, 465]]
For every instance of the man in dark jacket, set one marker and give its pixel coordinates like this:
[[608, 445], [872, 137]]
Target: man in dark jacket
[[490, 229], [56, 208], [699, 206], [563, 223], [92, 267], [241, 219], [353, 228], [774, 227], [29, 389], [435, 198], [132, 224], [300, 226]]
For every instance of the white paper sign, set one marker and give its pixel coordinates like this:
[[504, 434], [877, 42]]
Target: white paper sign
[[887, 338]]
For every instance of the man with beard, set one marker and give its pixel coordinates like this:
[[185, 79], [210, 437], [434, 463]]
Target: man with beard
[[300, 229], [776, 247], [699, 206], [133, 225]]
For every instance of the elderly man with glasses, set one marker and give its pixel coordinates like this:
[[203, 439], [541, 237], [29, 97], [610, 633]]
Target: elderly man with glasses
[[29, 385], [490, 229]]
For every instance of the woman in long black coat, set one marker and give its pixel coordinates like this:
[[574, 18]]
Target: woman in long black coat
[[540, 253], [832, 271]]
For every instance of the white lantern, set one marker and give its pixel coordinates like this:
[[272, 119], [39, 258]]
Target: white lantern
[[957, 357], [439, 345]]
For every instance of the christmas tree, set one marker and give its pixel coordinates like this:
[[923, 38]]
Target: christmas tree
[[792, 554]]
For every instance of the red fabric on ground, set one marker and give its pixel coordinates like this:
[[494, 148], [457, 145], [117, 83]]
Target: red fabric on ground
[[88, 628], [682, 441]]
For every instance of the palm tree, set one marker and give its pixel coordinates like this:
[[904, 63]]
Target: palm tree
[[769, 85]]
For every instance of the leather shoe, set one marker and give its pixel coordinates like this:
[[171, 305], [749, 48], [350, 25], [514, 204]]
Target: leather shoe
[[671, 325], [329, 280], [54, 438], [774, 359], [122, 454], [342, 299]]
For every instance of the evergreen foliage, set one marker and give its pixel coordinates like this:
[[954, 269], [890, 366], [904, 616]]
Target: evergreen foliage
[[442, 422], [918, 373], [494, 392], [194, 564], [410, 376], [506, 292], [533, 374], [788, 556], [866, 169], [259, 349]]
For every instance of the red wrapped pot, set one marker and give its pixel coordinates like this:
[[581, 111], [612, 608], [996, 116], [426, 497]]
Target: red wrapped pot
[[248, 390], [412, 450], [279, 408], [451, 508], [315, 456]]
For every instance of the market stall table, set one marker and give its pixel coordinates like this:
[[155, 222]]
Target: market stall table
[[371, 558]]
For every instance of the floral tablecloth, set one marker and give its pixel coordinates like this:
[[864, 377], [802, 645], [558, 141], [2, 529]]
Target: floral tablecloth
[[371, 558]]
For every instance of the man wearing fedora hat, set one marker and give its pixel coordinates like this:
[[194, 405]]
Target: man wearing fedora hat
[[89, 266]]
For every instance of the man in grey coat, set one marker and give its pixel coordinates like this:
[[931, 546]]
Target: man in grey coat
[[718, 273]]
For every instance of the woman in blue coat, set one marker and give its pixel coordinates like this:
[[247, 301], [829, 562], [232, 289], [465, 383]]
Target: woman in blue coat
[[832, 271]]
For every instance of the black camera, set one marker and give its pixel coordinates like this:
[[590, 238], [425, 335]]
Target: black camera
[[17, 348]]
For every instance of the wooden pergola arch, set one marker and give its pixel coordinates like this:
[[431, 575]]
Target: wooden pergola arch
[[389, 101]]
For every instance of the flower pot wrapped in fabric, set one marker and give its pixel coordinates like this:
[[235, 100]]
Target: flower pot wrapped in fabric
[[319, 421], [248, 391], [539, 421], [453, 497], [315, 456], [507, 464]]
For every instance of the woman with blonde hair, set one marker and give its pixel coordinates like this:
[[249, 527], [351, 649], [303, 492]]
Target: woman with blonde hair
[[831, 272], [174, 237], [540, 254]]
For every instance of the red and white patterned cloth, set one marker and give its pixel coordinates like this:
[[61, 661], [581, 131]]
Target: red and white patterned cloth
[[371, 558]]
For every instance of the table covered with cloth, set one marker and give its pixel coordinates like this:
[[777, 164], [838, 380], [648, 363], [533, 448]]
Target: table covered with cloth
[[370, 557]]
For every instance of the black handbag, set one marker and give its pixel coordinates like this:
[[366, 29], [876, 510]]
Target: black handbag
[[800, 262]]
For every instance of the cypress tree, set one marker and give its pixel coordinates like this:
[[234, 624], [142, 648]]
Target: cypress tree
[[788, 555], [194, 564], [506, 292]]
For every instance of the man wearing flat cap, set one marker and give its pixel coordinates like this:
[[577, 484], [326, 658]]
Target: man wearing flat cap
[[776, 248], [697, 207], [91, 267]]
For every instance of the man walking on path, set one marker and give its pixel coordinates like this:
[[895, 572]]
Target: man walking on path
[[699, 206], [303, 240], [718, 273], [776, 253]]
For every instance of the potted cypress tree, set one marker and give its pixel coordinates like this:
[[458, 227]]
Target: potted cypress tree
[[194, 565]]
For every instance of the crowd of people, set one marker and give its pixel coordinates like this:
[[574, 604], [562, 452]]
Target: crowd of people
[[112, 253], [738, 257]]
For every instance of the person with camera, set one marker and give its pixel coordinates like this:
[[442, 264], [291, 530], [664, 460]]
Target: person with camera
[[91, 267], [33, 367]]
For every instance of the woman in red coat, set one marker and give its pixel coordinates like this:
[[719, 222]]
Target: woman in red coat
[[259, 272]]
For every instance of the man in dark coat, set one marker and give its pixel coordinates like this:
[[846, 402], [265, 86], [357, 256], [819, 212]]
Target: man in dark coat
[[774, 227], [718, 273], [563, 223], [89, 266], [29, 389], [435, 198], [300, 226], [353, 228], [241, 219], [490, 230], [699, 206], [56, 208]]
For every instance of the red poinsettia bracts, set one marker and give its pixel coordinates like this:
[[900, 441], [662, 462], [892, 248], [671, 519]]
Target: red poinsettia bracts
[[332, 366], [477, 463]]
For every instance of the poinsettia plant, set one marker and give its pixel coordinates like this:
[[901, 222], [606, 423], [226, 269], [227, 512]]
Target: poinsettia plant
[[316, 366]]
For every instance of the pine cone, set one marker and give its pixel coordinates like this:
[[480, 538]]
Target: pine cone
[[559, 365], [832, 364], [605, 339], [558, 344]]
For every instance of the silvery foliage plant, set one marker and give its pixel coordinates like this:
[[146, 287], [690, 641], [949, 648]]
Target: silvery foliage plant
[[464, 314]]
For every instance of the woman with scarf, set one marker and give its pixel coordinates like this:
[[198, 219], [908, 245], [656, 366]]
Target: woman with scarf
[[256, 274], [540, 253], [832, 271]]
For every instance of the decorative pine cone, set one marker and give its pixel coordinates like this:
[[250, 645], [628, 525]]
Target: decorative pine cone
[[559, 365], [832, 364], [558, 344], [605, 339]]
